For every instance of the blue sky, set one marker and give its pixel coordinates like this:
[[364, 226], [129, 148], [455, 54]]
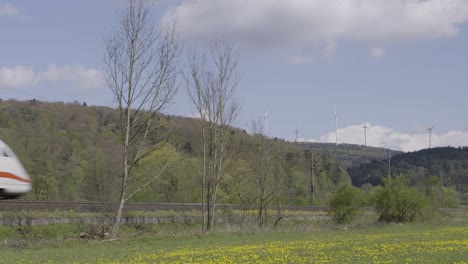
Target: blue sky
[[398, 65]]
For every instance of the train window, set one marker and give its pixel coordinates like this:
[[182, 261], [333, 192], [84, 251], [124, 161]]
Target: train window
[[5, 152]]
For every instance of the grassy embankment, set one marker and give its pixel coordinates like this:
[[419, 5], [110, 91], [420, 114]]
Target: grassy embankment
[[295, 241]]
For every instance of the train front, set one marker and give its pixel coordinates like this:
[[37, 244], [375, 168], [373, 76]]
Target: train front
[[14, 180]]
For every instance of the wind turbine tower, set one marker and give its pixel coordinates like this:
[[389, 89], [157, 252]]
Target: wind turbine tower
[[266, 124], [430, 135], [336, 126], [365, 134], [297, 132]]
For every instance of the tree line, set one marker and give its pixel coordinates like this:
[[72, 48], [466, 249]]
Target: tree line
[[446, 166]]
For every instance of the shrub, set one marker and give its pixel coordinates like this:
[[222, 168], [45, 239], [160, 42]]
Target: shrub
[[450, 198], [464, 198], [345, 204], [396, 201], [441, 196]]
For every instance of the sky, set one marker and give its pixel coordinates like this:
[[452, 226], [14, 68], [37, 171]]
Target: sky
[[399, 67]]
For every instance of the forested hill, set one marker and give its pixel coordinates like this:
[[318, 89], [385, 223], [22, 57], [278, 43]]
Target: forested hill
[[349, 155], [73, 152], [447, 163]]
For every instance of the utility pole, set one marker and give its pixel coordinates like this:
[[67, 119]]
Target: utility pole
[[389, 157], [311, 178], [441, 190]]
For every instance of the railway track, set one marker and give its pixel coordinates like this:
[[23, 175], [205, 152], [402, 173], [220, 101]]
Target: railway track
[[21, 205]]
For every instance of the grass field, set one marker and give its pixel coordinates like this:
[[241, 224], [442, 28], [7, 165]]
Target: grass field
[[445, 243]]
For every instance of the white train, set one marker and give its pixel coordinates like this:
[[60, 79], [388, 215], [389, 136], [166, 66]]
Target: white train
[[14, 180]]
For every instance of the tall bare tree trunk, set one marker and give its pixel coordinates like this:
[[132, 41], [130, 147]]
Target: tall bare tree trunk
[[141, 69], [211, 84], [123, 194], [203, 187], [266, 172]]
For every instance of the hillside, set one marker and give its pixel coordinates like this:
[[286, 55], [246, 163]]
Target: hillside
[[73, 152], [448, 163], [349, 155]]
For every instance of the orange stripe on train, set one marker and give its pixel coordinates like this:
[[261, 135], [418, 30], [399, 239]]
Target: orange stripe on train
[[12, 176]]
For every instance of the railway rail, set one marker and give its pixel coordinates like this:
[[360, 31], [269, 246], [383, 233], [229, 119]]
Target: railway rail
[[23, 205]]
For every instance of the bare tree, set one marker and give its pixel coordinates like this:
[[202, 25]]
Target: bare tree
[[266, 170], [141, 69], [211, 82]]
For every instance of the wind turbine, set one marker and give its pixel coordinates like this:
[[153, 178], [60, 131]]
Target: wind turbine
[[365, 134], [336, 125], [297, 132], [430, 135], [266, 124]]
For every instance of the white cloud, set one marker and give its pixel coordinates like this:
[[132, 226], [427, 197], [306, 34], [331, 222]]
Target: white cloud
[[379, 136], [17, 76], [70, 76], [12, 11], [305, 24], [81, 77]]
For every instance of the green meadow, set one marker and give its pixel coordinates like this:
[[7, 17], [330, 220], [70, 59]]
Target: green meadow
[[320, 243]]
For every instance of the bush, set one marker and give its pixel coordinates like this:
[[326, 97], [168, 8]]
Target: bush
[[464, 198], [396, 201], [441, 196], [345, 204], [450, 198]]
